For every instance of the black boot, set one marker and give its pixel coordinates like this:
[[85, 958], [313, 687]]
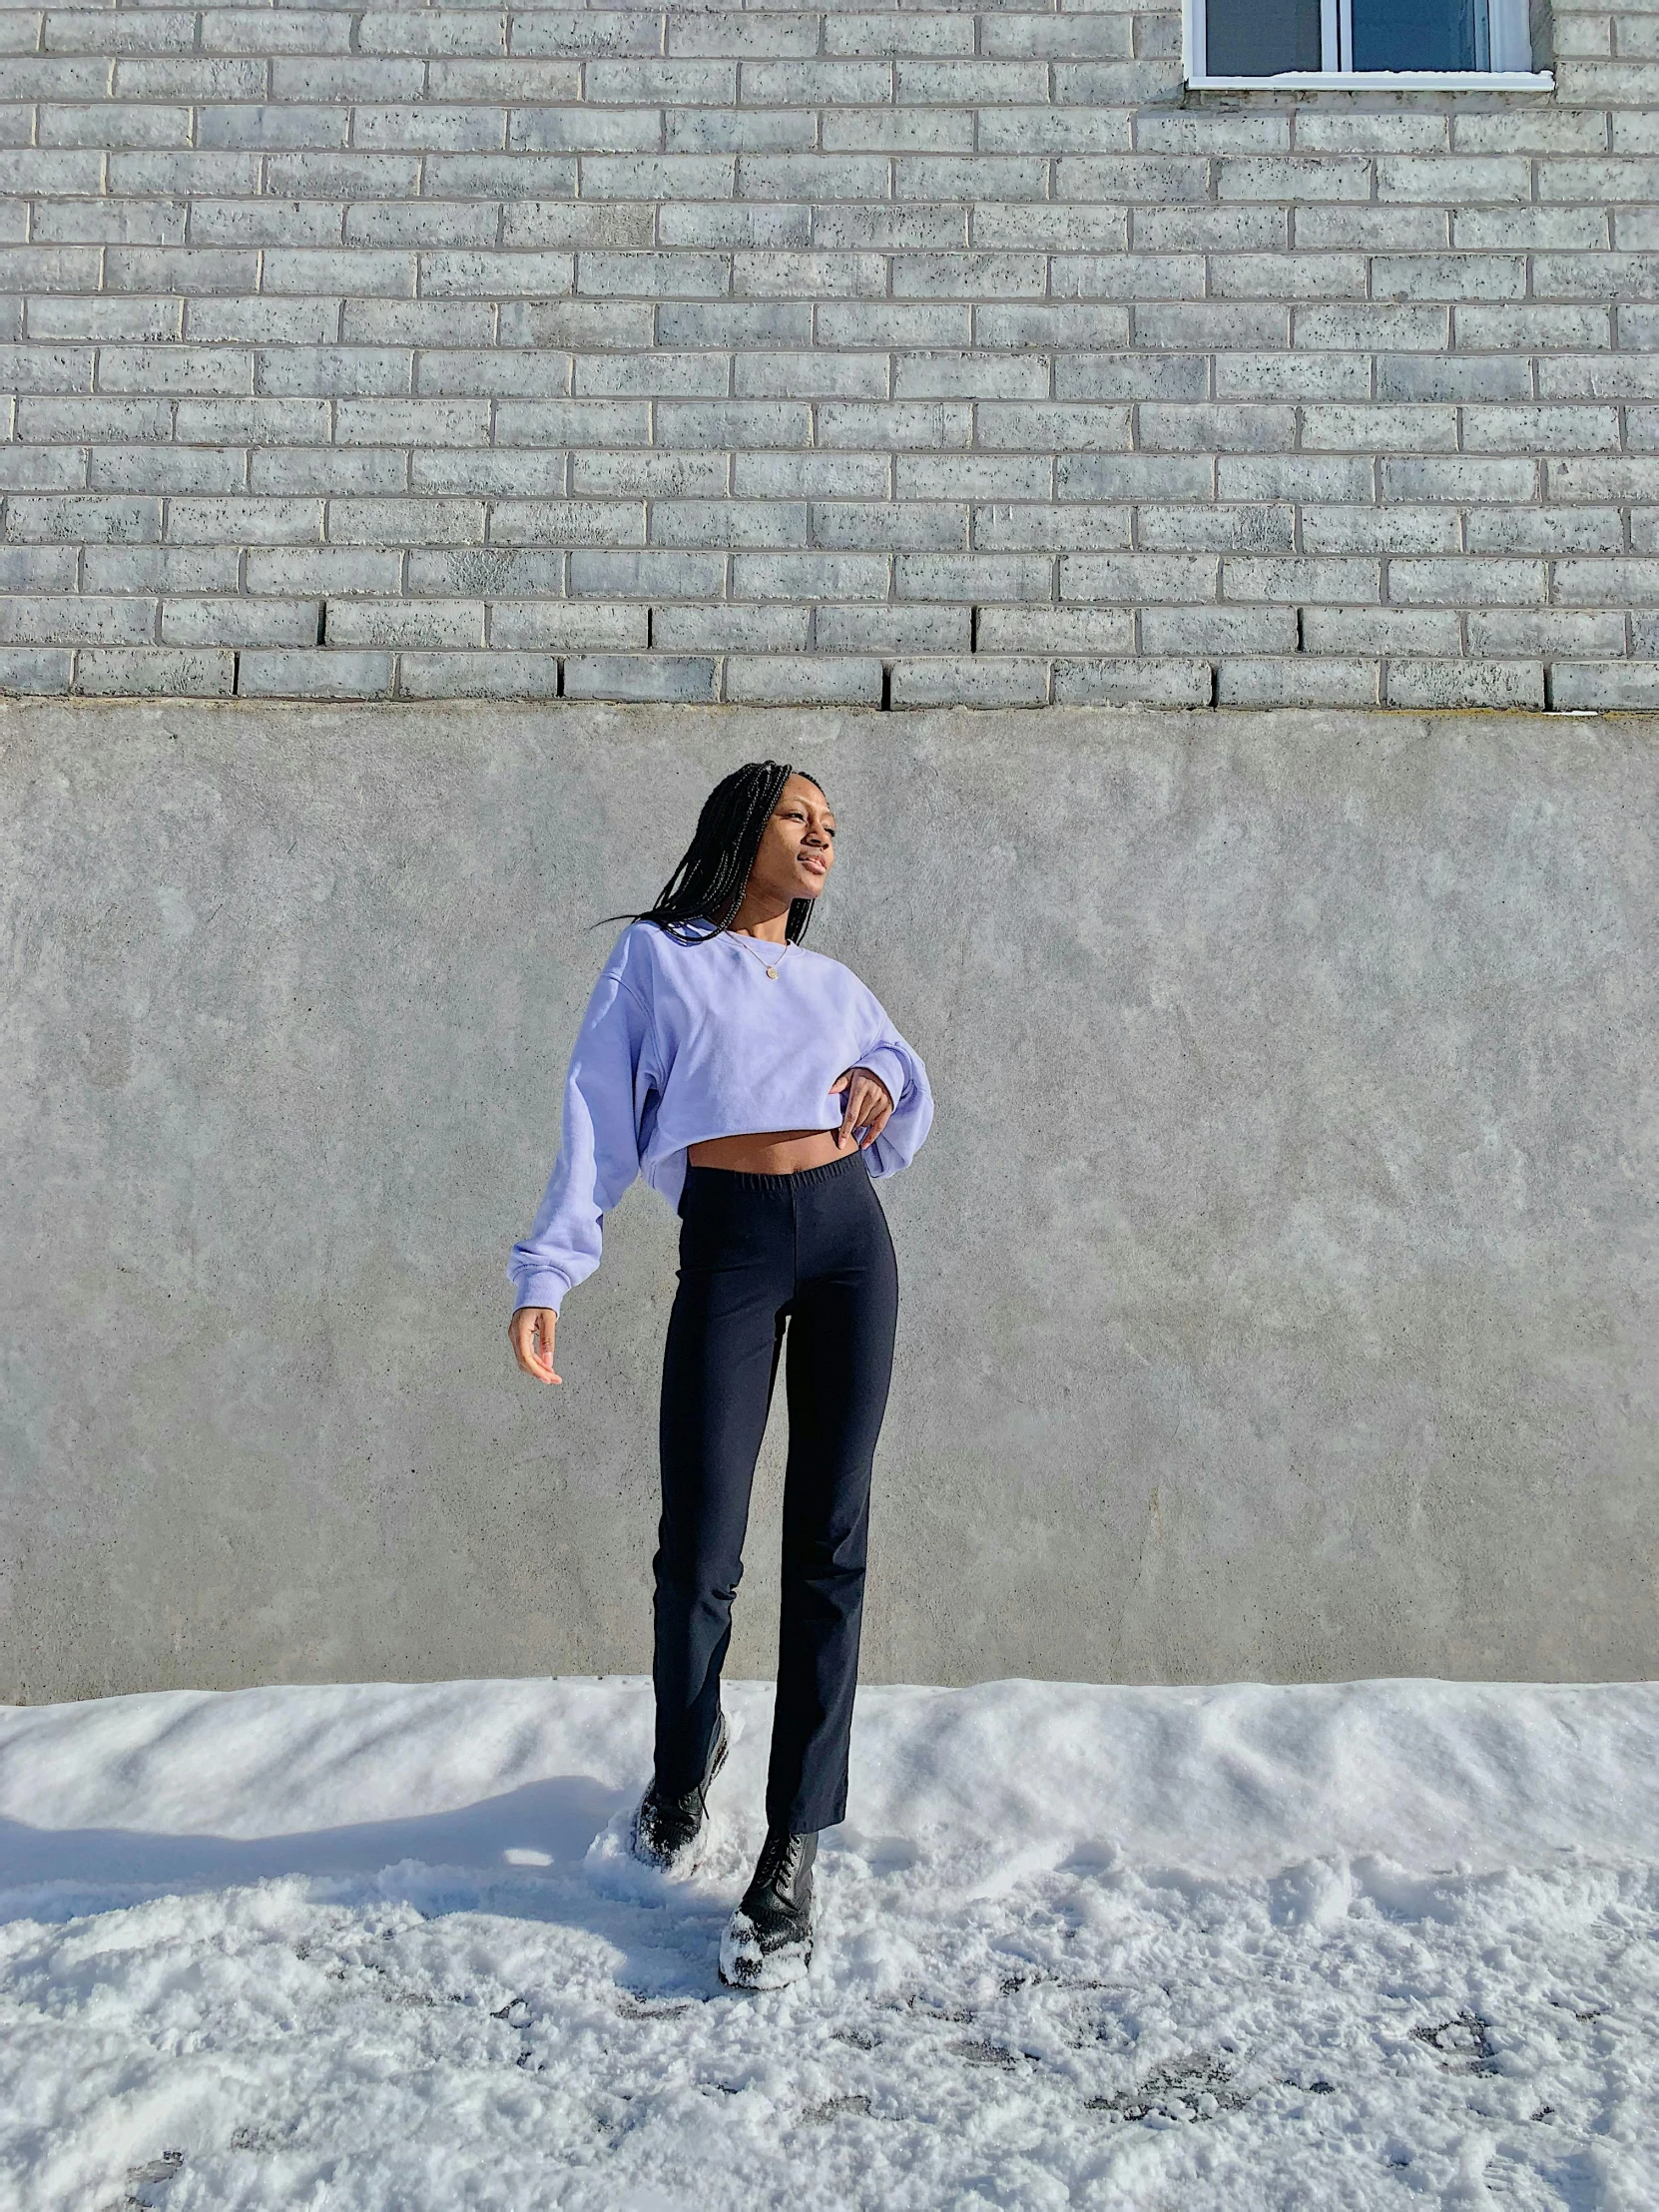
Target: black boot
[[668, 1830], [768, 1940]]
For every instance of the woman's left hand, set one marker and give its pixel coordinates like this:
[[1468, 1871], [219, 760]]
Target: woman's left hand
[[868, 1104]]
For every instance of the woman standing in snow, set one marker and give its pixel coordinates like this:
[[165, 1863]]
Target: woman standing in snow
[[759, 1087]]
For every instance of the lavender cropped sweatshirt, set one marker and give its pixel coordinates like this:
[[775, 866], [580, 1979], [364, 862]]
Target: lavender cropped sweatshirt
[[687, 1040]]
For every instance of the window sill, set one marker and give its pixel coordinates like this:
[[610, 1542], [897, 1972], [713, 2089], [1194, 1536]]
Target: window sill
[[1384, 80]]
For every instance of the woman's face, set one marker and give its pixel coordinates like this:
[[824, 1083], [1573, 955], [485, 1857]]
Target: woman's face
[[797, 844]]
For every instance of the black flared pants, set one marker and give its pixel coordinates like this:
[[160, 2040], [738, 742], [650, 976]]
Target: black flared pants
[[763, 1260]]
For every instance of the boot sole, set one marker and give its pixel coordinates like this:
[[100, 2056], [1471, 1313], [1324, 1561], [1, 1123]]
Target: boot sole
[[744, 1966]]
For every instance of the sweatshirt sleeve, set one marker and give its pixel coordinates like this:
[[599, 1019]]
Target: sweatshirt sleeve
[[900, 1068], [598, 1146]]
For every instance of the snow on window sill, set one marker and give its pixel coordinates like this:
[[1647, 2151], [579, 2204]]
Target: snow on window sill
[[1384, 80]]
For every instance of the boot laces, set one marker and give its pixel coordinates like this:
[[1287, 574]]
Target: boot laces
[[780, 1857]]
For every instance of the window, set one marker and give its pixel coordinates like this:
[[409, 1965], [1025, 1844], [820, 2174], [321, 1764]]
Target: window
[[1236, 43]]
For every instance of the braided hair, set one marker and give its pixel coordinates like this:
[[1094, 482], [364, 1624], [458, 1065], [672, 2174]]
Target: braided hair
[[703, 895]]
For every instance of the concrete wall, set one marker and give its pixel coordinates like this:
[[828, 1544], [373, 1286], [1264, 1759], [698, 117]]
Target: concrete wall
[[926, 353], [1280, 1286]]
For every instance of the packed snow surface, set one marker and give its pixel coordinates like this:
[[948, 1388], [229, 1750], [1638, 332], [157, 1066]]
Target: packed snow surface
[[380, 1950]]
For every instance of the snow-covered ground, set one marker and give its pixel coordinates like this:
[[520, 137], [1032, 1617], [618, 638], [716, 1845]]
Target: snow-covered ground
[[377, 1950]]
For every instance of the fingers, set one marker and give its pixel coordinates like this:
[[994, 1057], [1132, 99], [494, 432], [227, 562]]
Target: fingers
[[530, 1333], [867, 1110]]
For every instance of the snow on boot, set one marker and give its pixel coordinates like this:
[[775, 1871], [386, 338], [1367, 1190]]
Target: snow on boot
[[768, 1940], [668, 1832]]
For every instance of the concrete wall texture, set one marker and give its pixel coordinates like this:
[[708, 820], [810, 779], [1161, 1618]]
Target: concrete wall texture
[[1281, 1287], [904, 354]]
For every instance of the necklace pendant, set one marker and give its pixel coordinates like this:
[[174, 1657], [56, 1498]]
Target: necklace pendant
[[772, 972]]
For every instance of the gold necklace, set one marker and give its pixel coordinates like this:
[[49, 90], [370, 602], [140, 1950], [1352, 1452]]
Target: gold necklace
[[769, 965]]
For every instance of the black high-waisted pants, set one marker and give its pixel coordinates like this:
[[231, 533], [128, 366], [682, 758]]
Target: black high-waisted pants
[[757, 1253]]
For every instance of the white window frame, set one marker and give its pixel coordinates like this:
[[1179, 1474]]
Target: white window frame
[[1509, 35]]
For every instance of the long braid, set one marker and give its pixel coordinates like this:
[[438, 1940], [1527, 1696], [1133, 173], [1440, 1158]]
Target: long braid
[[709, 881]]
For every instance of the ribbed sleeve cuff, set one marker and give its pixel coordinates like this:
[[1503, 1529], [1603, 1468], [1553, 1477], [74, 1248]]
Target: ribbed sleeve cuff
[[887, 1063], [547, 1288]]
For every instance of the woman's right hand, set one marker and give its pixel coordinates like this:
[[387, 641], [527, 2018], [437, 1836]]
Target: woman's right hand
[[530, 1333]]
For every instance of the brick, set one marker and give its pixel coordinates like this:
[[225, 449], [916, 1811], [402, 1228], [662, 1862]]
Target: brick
[[571, 224], [1380, 530], [1131, 377], [1431, 378], [641, 375], [1221, 428], [45, 368], [1546, 631], [604, 522], [419, 623], [492, 674], [253, 321], [584, 34], [810, 576], [770, 629], [894, 629], [680, 679], [25, 669], [285, 128], [153, 672], [585, 625], [1186, 577], [1374, 230], [652, 475], [934, 526], [1374, 326], [511, 473], [292, 571], [1135, 476], [898, 130], [1379, 429], [317, 674], [1199, 326], [728, 522], [1131, 177], [169, 468], [1298, 680], [811, 376], [109, 124], [1554, 530], [1301, 582], [207, 369], [1441, 684], [1365, 629], [1061, 324], [56, 317], [209, 521], [1607, 684], [238, 622], [444, 129], [1219, 529], [37, 568], [332, 372], [650, 575], [1126, 277], [164, 570], [809, 276], [972, 475], [412, 422], [433, 31], [803, 680], [405, 521], [1513, 481], [42, 467], [1532, 429], [252, 421], [1057, 630], [1142, 681], [75, 619], [1310, 178], [1295, 376], [1613, 583], [973, 576], [653, 275], [810, 475], [973, 681], [738, 423], [44, 519], [1065, 427], [714, 224]]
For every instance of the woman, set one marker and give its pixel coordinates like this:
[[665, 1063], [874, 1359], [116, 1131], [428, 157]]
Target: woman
[[759, 1087]]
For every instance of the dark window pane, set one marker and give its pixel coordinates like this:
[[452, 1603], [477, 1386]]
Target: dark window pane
[[1417, 34], [1258, 37]]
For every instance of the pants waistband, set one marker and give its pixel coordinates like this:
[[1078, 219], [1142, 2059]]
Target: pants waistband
[[781, 1186]]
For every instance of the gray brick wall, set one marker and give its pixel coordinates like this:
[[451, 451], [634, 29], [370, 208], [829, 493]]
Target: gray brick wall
[[851, 354]]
